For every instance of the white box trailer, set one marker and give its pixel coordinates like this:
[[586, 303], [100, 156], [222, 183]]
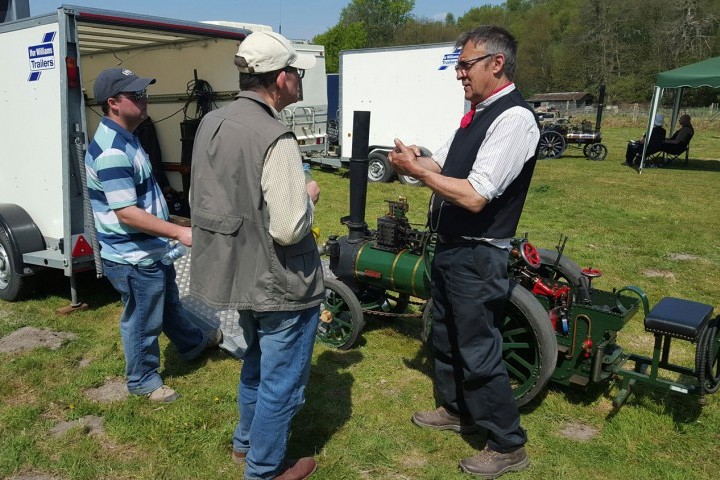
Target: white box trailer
[[411, 93], [49, 65]]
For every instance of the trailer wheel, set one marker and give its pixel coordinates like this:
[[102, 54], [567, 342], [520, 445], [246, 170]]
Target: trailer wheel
[[408, 180], [551, 145], [341, 316], [379, 168], [11, 282], [529, 345], [595, 151]]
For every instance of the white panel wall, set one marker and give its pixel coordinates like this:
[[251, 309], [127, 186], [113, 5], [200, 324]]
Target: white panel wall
[[30, 130]]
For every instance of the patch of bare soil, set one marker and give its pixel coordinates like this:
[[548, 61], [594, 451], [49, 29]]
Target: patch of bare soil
[[30, 338], [91, 425], [683, 257], [33, 476], [579, 432], [650, 273], [113, 390]]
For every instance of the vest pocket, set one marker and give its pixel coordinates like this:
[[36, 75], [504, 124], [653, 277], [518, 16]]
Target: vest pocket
[[301, 263], [223, 224]]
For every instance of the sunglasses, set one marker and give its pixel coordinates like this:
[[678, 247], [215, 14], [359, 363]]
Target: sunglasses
[[140, 96]]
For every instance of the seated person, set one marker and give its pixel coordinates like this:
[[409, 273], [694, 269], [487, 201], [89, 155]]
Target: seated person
[[680, 140], [635, 147]]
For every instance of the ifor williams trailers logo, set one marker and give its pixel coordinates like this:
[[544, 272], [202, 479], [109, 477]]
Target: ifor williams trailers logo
[[42, 56], [450, 59]]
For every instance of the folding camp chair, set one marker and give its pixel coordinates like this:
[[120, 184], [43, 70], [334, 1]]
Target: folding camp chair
[[670, 158]]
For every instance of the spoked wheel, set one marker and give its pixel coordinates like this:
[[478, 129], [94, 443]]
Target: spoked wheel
[[426, 335], [709, 348], [551, 145], [529, 345], [566, 270], [379, 168], [341, 317], [595, 151]]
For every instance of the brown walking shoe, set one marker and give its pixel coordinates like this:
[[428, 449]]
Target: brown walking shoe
[[299, 469], [239, 457], [441, 419], [491, 464]]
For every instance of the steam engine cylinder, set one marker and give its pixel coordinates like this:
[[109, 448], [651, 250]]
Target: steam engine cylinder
[[362, 263]]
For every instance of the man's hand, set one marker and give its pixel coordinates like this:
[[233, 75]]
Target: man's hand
[[313, 190], [184, 236], [404, 158]]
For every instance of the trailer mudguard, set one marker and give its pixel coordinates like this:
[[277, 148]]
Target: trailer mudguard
[[21, 230]]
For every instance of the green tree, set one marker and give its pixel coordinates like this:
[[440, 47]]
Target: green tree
[[340, 37], [380, 18]]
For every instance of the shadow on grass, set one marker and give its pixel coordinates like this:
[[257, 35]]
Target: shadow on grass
[[328, 403], [683, 409], [96, 292]]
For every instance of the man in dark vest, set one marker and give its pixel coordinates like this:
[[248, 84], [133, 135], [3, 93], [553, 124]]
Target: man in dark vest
[[480, 179], [253, 249]]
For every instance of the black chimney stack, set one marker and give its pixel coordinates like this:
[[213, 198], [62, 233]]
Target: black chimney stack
[[358, 176], [601, 105]]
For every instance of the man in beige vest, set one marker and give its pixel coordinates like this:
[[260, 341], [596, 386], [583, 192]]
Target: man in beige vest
[[253, 249]]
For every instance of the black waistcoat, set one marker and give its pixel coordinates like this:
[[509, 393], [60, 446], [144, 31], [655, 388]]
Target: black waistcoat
[[500, 217]]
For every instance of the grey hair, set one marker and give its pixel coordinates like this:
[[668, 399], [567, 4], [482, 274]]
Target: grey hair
[[496, 40]]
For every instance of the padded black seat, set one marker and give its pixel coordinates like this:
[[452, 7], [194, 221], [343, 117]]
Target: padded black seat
[[678, 318]]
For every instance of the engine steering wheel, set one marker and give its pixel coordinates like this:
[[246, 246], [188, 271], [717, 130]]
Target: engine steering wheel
[[530, 254]]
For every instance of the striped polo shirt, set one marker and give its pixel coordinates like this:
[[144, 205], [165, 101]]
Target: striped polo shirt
[[119, 175]]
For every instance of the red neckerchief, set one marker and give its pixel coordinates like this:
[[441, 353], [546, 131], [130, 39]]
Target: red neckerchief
[[468, 117]]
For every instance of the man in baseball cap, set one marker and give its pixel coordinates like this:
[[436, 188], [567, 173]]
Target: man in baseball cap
[[255, 252], [131, 220], [113, 81], [263, 52]]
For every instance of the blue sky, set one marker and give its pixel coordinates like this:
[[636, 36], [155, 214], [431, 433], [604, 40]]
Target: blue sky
[[300, 19]]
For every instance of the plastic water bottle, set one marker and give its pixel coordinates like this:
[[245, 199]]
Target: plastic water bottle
[[307, 172], [174, 252]]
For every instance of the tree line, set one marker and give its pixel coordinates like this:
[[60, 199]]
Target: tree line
[[564, 45]]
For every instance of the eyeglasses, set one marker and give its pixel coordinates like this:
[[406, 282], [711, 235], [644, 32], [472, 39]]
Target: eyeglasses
[[140, 96], [466, 65], [300, 72]]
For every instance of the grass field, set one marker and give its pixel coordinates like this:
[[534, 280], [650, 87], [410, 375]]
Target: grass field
[[658, 230]]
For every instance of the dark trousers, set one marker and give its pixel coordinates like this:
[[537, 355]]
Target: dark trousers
[[633, 149], [469, 290]]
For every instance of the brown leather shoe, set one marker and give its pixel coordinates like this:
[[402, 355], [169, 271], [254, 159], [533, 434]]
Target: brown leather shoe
[[491, 464], [299, 469], [441, 419], [239, 457]]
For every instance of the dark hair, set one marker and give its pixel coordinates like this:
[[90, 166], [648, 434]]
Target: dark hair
[[105, 107], [255, 81], [496, 40]]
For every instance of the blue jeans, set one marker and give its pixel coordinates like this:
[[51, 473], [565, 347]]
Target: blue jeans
[[276, 368], [152, 305]]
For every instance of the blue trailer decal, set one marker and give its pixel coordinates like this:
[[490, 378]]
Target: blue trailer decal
[[42, 56], [450, 59]]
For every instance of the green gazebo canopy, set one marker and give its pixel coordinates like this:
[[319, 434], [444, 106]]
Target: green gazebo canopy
[[701, 74]]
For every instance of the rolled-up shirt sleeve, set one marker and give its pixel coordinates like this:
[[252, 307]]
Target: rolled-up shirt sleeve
[[283, 185]]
